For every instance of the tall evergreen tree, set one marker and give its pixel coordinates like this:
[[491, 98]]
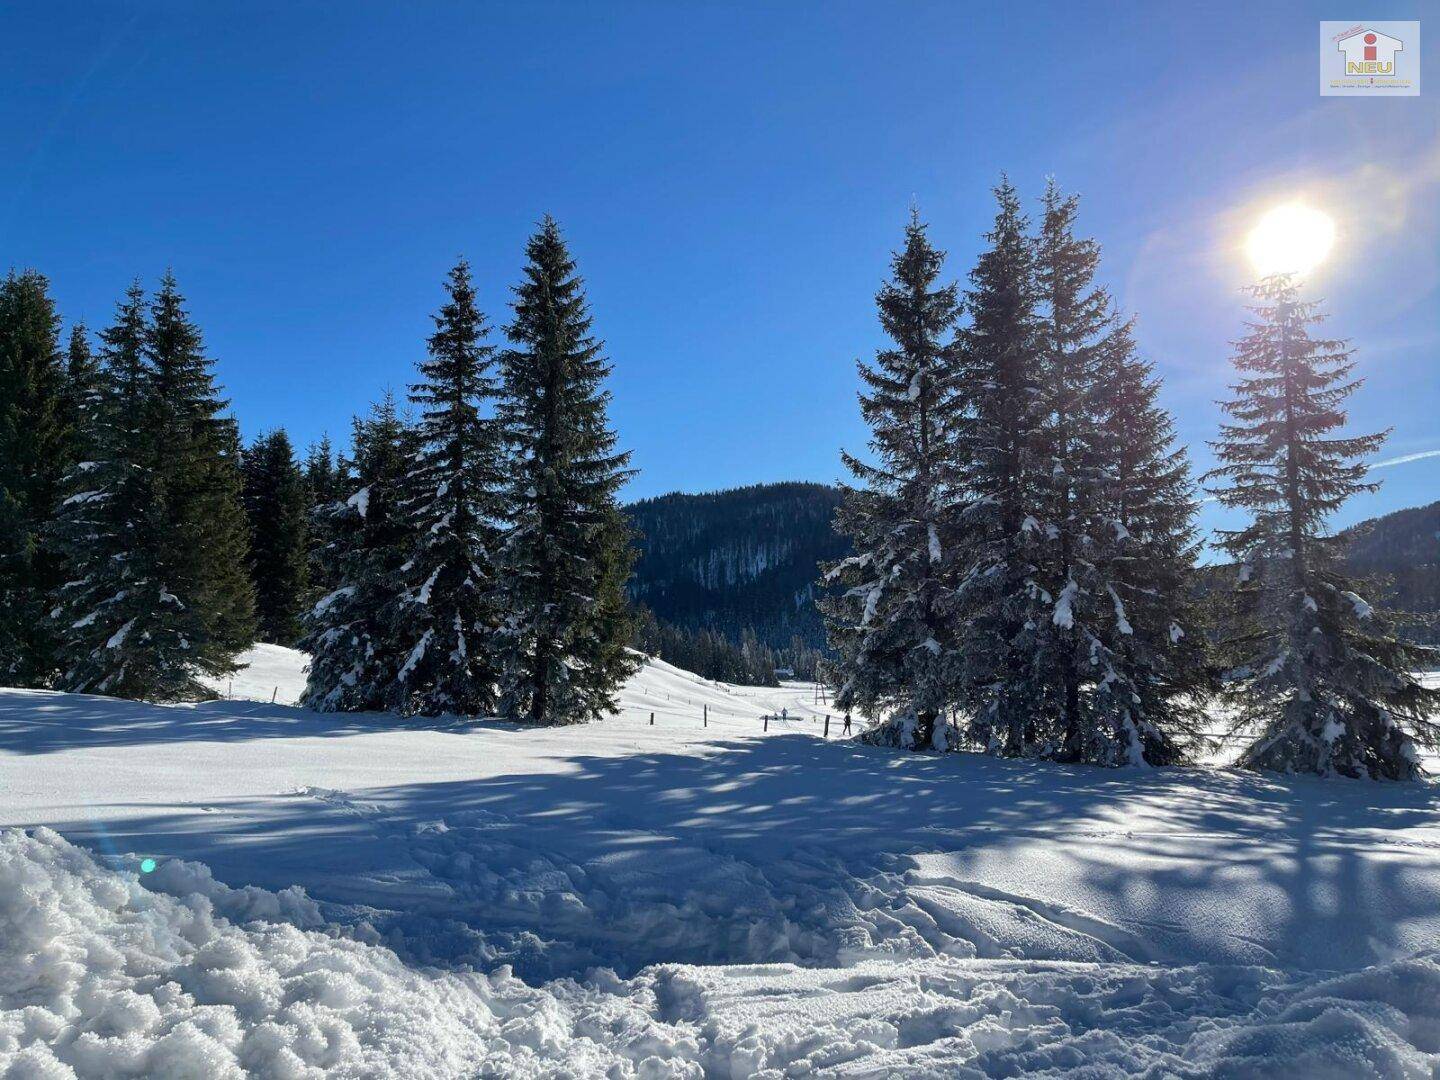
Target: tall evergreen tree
[[1116, 541], [890, 625], [1317, 671], [206, 544], [446, 610], [1156, 675], [348, 633], [277, 506], [152, 527], [568, 552], [1001, 607], [1073, 318], [118, 622], [36, 449]]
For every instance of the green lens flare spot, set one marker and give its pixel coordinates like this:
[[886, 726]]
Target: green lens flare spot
[[147, 865]]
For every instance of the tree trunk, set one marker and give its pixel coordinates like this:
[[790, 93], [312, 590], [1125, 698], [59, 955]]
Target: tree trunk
[[925, 729]]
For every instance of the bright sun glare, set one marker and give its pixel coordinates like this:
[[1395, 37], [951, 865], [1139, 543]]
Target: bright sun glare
[[1290, 239]]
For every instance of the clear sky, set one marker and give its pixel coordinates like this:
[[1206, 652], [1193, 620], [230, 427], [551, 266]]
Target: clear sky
[[732, 178]]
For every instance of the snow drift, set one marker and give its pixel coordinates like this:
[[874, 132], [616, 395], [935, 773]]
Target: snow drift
[[101, 977]]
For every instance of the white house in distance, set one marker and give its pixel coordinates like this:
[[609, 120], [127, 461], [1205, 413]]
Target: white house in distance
[[1369, 52]]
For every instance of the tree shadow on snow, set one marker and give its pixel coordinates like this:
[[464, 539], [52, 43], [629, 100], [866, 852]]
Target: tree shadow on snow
[[1206, 864], [43, 722]]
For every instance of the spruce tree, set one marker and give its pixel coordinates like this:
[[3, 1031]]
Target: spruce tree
[[1073, 317], [1001, 608], [323, 473], [119, 624], [327, 481], [1152, 656], [152, 527], [36, 449], [277, 506], [1120, 653], [446, 610], [205, 549], [1318, 673], [890, 626], [82, 393], [568, 553], [348, 633]]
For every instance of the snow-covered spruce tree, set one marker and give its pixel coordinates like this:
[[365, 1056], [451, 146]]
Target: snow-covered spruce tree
[[1120, 649], [353, 659], [889, 624], [152, 529], [122, 630], [277, 508], [1000, 607], [1073, 318], [446, 615], [36, 449], [1156, 673], [204, 547], [568, 552], [1316, 671]]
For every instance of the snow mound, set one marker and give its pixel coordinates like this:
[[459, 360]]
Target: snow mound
[[100, 977]]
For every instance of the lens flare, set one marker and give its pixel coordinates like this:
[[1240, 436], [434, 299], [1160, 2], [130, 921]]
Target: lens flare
[[147, 865], [1290, 239]]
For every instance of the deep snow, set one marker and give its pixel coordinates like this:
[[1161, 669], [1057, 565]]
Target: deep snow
[[682, 900]]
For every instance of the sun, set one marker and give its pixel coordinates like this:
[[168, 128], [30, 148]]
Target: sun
[[1290, 239]]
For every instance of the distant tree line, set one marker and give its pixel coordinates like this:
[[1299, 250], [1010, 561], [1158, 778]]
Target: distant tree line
[[467, 556], [1023, 540], [715, 655]]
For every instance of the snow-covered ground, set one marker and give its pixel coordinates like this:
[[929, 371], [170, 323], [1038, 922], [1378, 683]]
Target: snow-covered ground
[[673, 899]]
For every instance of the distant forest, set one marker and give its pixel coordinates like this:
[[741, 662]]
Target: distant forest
[[736, 568]]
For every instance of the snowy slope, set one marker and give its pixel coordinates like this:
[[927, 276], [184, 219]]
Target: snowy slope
[[765, 900]]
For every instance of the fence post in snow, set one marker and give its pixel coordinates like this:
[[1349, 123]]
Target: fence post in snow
[[827, 726], [706, 709], [767, 721], [274, 694], [652, 719]]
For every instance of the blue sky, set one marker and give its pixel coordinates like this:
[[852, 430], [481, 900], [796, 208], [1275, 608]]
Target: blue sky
[[731, 177]]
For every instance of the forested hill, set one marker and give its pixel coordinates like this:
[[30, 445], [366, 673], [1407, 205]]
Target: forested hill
[[740, 559], [748, 559], [1405, 547]]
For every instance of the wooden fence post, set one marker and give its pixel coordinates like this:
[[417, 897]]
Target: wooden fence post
[[707, 714], [766, 718], [827, 726], [652, 719]]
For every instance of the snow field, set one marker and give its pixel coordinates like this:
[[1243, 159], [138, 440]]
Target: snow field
[[684, 901]]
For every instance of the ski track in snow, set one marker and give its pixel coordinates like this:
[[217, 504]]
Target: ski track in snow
[[681, 900]]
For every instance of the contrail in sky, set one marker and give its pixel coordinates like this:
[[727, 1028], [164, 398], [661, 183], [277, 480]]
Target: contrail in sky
[[1403, 459]]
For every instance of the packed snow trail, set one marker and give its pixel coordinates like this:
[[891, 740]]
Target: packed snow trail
[[766, 900]]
